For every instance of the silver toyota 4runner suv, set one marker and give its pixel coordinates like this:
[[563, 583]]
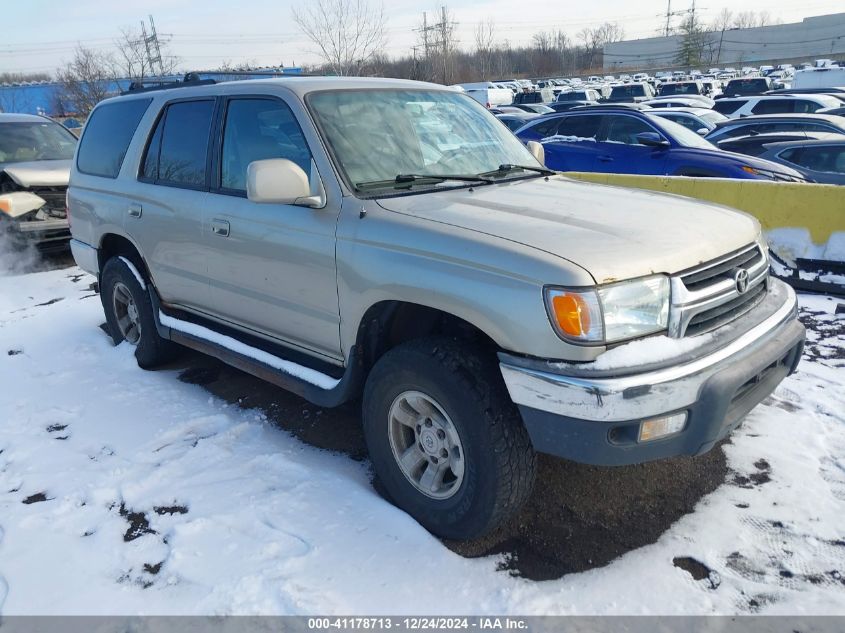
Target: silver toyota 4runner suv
[[391, 241]]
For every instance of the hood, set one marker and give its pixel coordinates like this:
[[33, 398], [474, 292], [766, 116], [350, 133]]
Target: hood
[[762, 163], [39, 173], [740, 159], [612, 232]]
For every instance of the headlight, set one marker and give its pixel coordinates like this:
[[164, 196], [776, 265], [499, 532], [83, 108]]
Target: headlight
[[20, 203], [611, 313]]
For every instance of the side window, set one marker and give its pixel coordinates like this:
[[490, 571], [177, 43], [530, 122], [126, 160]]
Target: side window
[[687, 122], [581, 128], [824, 158], [256, 129], [547, 128], [773, 106], [804, 106], [727, 107], [107, 136], [624, 129], [177, 152]]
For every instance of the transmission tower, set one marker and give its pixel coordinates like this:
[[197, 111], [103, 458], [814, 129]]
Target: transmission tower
[[151, 45]]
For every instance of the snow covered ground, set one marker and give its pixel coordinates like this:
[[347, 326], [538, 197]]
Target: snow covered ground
[[130, 492]]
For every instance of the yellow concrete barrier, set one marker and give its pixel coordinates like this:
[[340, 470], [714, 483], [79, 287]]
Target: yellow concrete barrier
[[818, 208]]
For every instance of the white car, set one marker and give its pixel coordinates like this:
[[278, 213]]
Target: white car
[[736, 107]]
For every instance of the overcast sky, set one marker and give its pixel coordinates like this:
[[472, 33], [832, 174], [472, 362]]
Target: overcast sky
[[40, 35]]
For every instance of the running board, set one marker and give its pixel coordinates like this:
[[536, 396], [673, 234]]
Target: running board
[[315, 386]]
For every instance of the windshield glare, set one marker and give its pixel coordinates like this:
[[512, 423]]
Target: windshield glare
[[378, 134], [35, 141], [683, 136]]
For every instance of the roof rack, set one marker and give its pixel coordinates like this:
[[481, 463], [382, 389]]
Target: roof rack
[[193, 79], [190, 79]]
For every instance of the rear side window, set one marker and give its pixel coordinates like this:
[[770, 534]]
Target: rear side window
[[107, 136], [546, 128], [727, 107], [583, 127], [826, 158], [177, 153]]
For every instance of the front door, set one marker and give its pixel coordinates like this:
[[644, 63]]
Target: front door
[[271, 266], [621, 153]]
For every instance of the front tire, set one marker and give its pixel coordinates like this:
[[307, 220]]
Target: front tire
[[446, 442], [129, 315]]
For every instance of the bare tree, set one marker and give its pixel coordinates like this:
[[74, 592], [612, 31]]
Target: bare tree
[[484, 38], [87, 79], [723, 21], [133, 59], [752, 19], [348, 34], [446, 44]]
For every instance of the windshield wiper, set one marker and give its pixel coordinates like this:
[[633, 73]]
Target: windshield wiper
[[408, 180], [507, 168]]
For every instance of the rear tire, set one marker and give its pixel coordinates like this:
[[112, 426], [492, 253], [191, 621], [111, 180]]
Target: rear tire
[[443, 408], [129, 314]]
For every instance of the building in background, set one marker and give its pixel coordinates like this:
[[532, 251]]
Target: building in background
[[820, 36]]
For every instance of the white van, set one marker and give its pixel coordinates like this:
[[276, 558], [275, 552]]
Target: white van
[[490, 97], [827, 77]]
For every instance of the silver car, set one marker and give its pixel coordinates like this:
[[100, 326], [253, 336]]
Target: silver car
[[391, 241], [35, 157]]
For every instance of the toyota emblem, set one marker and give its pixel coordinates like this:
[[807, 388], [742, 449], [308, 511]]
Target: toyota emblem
[[741, 280]]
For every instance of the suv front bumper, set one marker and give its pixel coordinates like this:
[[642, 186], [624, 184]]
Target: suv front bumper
[[595, 417]]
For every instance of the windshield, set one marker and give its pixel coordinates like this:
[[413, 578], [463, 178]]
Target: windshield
[[377, 135], [35, 141], [681, 135]]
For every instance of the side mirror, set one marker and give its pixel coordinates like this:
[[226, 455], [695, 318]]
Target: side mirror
[[279, 181], [652, 139], [702, 131], [537, 151]]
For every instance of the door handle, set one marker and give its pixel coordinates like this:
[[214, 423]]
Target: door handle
[[606, 159], [135, 210], [220, 227]]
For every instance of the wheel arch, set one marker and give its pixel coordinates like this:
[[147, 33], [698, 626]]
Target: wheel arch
[[389, 323], [117, 245]]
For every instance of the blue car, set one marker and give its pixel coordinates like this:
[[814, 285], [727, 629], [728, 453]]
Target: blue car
[[628, 141]]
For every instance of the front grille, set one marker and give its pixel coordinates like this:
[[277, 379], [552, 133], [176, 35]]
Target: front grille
[[712, 273], [715, 317], [55, 199], [708, 296]]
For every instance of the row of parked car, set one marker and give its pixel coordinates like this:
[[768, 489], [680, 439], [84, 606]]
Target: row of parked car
[[748, 131]]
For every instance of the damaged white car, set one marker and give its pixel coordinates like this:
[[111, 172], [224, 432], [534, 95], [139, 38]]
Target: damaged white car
[[35, 159]]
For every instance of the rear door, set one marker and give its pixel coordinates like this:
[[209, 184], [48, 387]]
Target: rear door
[[272, 266], [621, 153], [167, 217], [575, 146]]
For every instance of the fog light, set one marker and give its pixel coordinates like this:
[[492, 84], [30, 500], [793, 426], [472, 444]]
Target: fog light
[[661, 427]]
